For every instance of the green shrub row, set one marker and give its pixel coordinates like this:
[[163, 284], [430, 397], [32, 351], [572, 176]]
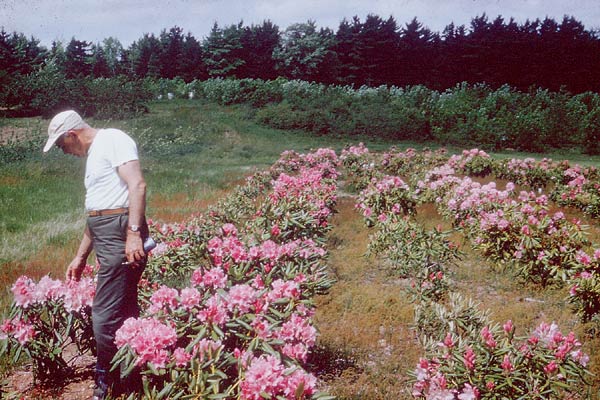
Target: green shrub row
[[47, 91], [466, 115]]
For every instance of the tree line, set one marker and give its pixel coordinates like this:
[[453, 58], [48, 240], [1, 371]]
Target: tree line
[[375, 51]]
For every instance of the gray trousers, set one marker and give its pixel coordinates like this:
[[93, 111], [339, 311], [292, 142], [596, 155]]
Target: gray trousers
[[116, 296]]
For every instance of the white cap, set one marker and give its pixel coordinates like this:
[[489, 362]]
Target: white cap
[[61, 123]]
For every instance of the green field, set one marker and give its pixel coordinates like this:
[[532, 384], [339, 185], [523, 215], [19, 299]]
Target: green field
[[193, 153]]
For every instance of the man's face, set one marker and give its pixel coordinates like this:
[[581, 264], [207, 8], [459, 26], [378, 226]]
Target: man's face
[[69, 144]]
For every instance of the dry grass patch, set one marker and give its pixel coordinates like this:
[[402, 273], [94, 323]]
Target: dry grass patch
[[366, 344]]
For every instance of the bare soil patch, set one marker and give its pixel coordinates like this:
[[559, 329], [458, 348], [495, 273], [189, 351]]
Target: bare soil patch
[[12, 134], [78, 385]]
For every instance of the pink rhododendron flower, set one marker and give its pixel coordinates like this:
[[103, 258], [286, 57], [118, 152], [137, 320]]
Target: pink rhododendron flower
[[583, 257], [275, 230], [283, 289], [165, 299], [297, 380], [299, 335], [205, 348], [469, 358], [213, 278], [551, 367], [241, 297], [580, 357], [264, 376], [448, 341], [189, 297], [23, 292], [508, 327], [49, 289], [79, 294], [181, 357], [487, 336], [19, 329], [506, 364], [469, 393], [148, 338], [229, 230], [215, 311], [545, 333]]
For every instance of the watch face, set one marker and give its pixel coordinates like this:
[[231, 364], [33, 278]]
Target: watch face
[[134, 228]]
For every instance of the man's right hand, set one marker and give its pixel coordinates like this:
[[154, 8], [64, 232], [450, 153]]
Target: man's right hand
[[75, 268]]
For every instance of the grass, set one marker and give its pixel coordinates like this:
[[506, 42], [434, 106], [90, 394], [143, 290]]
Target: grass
[[364, 320], [192, 154]]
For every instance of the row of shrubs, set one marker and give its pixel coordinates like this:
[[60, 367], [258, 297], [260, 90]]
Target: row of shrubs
[[227, 297], [48, 91], [466, 354], [464, 115]]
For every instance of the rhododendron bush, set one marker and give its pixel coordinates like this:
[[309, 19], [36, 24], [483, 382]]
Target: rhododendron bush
[[241, 323], [497, 364], [45, 319]]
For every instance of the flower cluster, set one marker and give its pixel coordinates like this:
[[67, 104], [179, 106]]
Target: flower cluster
[[580, 188], [75, 295], [472, 162], [267, 376], [509, 229], [528, 171], [148, 338]]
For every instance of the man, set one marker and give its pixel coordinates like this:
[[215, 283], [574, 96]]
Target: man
[[115, 202]]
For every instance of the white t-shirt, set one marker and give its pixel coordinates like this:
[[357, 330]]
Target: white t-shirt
[[104, 187]]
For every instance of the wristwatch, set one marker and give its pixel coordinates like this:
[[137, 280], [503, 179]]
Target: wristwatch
[[134, 228]]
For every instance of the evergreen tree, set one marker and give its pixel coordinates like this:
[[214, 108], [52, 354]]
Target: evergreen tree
[[58, 56], [258, 43], [171, 54], [192, 65], [379, 46], [223, 51], [417, 55], [348, 51], [99, 65], [77, 62], [140, 55]]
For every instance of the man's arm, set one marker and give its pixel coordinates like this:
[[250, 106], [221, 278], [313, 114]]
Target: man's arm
[[131, 173], [75, 268]]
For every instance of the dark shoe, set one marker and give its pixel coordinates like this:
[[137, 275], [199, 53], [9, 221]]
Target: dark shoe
[[101, 389], [100, 392]]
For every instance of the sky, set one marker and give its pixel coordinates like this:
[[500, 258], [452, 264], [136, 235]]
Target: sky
[[129, 20]]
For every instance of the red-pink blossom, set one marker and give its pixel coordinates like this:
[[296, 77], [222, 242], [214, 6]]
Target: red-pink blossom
[[241, 298], [214, 311], [165, 299], [148, 338], [506, 364], [551, 367], [469, 358]]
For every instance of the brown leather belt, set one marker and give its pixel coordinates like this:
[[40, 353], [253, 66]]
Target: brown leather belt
[[113, 211]]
